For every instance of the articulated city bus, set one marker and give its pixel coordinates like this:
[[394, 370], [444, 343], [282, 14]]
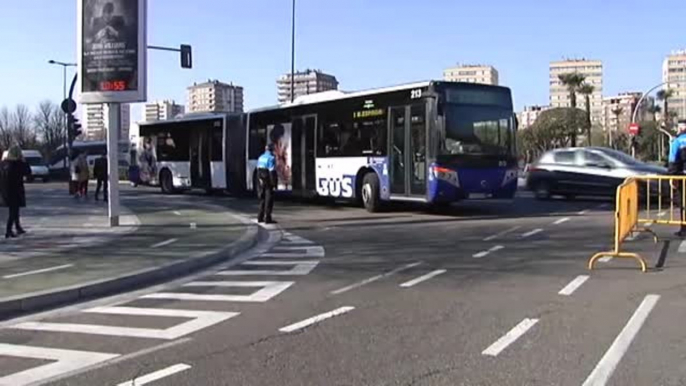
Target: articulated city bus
[[432, 142]]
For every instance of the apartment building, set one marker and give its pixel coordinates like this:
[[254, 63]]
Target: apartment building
[[592, 70], [94, 122], [472, 73], [215, 96], [674, 72], [162, 110], [528, 116], [305, 83]]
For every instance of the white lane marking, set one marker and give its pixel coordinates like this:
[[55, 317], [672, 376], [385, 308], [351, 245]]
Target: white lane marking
[[199, 321], [269, 290], [503, 233], [157, 375], [531, 233], [163, 243], [603, 206], [487, 252], [176, 212], [299, 268], [604, 369], [583, 212], [37, 271], [573, 285], [682, 247], [290, 238], [316, 319], [515, 333], [662, 214], [295, 252], [374, 278], [560, 221], [422, 278], [194, 225], [65, 361], [605, 259]]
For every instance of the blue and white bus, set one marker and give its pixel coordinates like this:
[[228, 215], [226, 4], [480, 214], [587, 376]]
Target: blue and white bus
[[433, 142]]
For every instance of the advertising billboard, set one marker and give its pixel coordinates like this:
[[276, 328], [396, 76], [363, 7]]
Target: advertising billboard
[[112, 50]]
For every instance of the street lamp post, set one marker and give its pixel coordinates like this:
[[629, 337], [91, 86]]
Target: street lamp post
[[64, 96], [293, 53]]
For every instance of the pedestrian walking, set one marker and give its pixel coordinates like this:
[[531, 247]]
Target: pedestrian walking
[[677, 167], [267, 181], [100, 174], [13, 168], [83, 174]]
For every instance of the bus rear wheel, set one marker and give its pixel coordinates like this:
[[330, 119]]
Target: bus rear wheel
[[370, 192], [167, 182]]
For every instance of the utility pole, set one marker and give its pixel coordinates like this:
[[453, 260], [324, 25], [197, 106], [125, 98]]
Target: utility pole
[[64, 96]]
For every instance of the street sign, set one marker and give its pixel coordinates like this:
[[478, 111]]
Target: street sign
[[112, 50], [68, 106], [634, 129]]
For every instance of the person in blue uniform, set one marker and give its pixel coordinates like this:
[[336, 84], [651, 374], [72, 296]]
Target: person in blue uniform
[[677, 166], [267, 181]]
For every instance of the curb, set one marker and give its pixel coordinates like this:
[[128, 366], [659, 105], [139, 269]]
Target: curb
[[15, 306]]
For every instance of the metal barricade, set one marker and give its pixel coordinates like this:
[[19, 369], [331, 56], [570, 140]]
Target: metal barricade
[[667, 193], [626, 223]]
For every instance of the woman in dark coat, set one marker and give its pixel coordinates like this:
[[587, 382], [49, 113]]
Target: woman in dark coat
[[12, 172]]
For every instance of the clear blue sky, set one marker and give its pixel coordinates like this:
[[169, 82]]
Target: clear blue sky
[[364, 43]]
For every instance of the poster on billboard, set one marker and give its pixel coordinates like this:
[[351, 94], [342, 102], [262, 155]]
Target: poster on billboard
[[112, 50], [280, 136]]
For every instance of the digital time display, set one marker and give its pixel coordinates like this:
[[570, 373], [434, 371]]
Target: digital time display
[[113, 85]]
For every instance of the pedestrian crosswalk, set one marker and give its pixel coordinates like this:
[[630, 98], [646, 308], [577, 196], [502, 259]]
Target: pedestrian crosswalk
[[290, 258]]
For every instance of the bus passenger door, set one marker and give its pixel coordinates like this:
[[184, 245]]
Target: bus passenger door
[[408, 150], [310, 130], [297, 154], [398, 124], [200, 159]]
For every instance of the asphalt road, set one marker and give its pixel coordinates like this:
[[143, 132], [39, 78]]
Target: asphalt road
[[485, 294]]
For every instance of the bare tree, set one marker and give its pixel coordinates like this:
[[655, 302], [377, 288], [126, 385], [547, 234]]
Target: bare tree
[[6, 134], [22, 129], [49, 124]]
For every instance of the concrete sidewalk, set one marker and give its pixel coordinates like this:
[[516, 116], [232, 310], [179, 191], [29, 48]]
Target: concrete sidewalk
[[71, 254]]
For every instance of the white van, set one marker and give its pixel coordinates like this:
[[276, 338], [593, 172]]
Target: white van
[[39, 168]]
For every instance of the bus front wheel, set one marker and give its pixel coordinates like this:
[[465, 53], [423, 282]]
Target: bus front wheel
[[370, 192], [167, 182]]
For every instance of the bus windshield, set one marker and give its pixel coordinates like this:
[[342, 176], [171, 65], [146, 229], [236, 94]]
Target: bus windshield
[[477, 130]]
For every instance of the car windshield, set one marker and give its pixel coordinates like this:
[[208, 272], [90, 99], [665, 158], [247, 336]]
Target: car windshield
[[473, 129], [621, 157], [35, 161]]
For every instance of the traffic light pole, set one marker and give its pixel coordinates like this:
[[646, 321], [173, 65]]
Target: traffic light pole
[[113, 129]]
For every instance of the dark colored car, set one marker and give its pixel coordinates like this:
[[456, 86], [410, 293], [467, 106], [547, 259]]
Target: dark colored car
[[590, 171]]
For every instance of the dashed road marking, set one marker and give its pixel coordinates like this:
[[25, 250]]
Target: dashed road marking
[[316, 319], [531, 233], [487, 252], [199, 320], [605, 259], [515, 333], [268, 290], [662, 214], [583, 212], [295, 252], [299, 268], [374, 278], [608, 363], [37, 271], [64, 361], [157, 375], [164, 243], [503, 233], [176, 212], [560, 221], [569, 289], [423, 278], [194, 225], [682, 247]]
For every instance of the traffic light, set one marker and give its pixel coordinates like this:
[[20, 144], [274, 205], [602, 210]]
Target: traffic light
[[73, 127], [186, 56]]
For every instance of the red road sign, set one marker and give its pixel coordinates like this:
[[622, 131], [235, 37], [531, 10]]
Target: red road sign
[[634, 129]]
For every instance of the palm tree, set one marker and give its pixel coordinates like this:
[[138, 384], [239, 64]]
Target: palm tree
[[586, 90], [572, 81], [617, 111], [664, 95]]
